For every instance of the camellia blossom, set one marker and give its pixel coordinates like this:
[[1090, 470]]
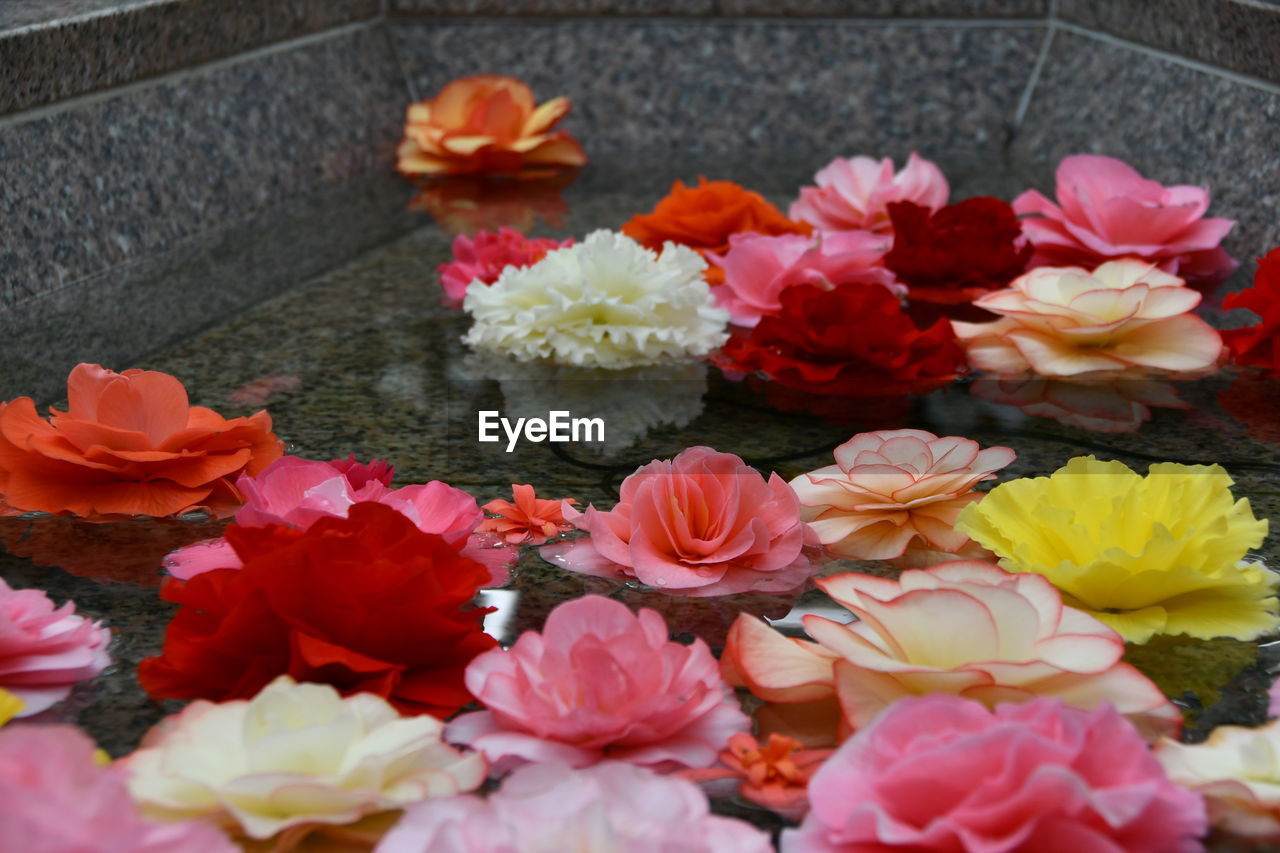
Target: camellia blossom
[[1258, 345], [605, 302], [1161, 554], [484, 257], [293, 758], [1070, 321], [45, 651], [757, 269], [365, 603], [964, 627], [1106, 210], [485, 124], [128, 444], [703, 523], [855, 194], [528, 521], [775, 775], [892, 489], [55, 797], [612, 806], [940, 773], [1237, 770], [599, 683]]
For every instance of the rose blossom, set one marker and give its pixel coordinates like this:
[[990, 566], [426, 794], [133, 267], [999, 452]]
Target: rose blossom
[[549, 808], [295, 758], [940, 773], [965, 627], [1258, 345], [1066, 321], [43, 651], [486, 255], [854, 194], [703, 523], [599, 683], [894, 489], [1106, 210]]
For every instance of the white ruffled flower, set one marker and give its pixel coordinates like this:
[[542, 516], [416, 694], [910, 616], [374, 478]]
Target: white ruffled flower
[[605, 302], [295, 755]]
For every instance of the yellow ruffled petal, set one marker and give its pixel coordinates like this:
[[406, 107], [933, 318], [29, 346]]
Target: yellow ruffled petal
[[10, 706]]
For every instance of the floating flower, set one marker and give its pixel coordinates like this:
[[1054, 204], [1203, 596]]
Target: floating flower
[[1161, 554], [365, 603], [528, 521], [956, 253], [295, 758], [855, 194], [599, 683], [1111, 402], [940, 773], [964, 627], [485, 256], [757, 269], [852, 340], [1258, 345], [703, 523], [43, 651], [1107, 210], [485, 124], [128, 444], [605, 302], [1069, 321], [775, 775], [893, 489], [56, 797], [543, 807]]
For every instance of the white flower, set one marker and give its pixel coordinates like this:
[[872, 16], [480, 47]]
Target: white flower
[[295, 754], [605, 302], [1238, 772]]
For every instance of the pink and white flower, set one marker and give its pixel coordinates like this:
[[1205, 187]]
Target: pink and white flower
[[484, 257], [854, 194], [1237, 770], [45, 651]]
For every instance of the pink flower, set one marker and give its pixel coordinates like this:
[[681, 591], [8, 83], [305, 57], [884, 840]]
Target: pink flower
[[528, 521], [298, 492], [599, 683], [43, 651], [543, 807], [56, 798], [941, 773], [775, 775], [967, 628], [1110, 211], [1068, 321], [893, 489], [855, 194], [757, 269], [486, 255], [1273, 700], [703, 523], [1105, 402]]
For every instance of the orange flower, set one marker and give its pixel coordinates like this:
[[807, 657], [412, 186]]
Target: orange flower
[[486, 124], [128, 444], [529, 520], [704, 217], [775, 775]]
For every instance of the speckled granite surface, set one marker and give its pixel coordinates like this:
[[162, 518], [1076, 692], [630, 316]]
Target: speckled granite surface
[[700, 8]]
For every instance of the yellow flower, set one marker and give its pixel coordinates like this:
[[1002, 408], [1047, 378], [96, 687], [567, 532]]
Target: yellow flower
[[1161, 554], [10, 705]]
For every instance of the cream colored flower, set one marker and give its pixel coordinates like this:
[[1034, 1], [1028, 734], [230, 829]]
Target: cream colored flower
[[605, 302], [1238, 772], [294, 755]]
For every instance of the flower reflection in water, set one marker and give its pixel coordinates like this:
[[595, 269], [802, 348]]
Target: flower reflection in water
[[1120, 401], [465, 204]]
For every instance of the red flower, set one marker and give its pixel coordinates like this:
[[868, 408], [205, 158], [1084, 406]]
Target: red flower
[[1258, 345], [366, 603], [958, 253], [851, 340]]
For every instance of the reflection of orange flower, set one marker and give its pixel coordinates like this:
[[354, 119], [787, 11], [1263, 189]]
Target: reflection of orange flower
[[466, 204], [128, 444], [486, 124]]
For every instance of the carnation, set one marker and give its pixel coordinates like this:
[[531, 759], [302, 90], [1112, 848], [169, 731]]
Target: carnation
[[44, 651], [484, 257], [605, 302]]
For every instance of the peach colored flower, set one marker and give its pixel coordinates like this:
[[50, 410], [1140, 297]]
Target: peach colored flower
[[599, 683], [942, 774], [965, 627], [854, 194], [1106, 210], [486, 255], [896, 489], [528, 521], [703, 523], [775, 775], [128, 444], [1067, 321], [465, 204], [485, 124], [757, 269]]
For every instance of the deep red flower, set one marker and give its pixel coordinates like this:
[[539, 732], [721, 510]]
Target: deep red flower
[[367, 603], [1258, 345], [851, 340], [958, 253]]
